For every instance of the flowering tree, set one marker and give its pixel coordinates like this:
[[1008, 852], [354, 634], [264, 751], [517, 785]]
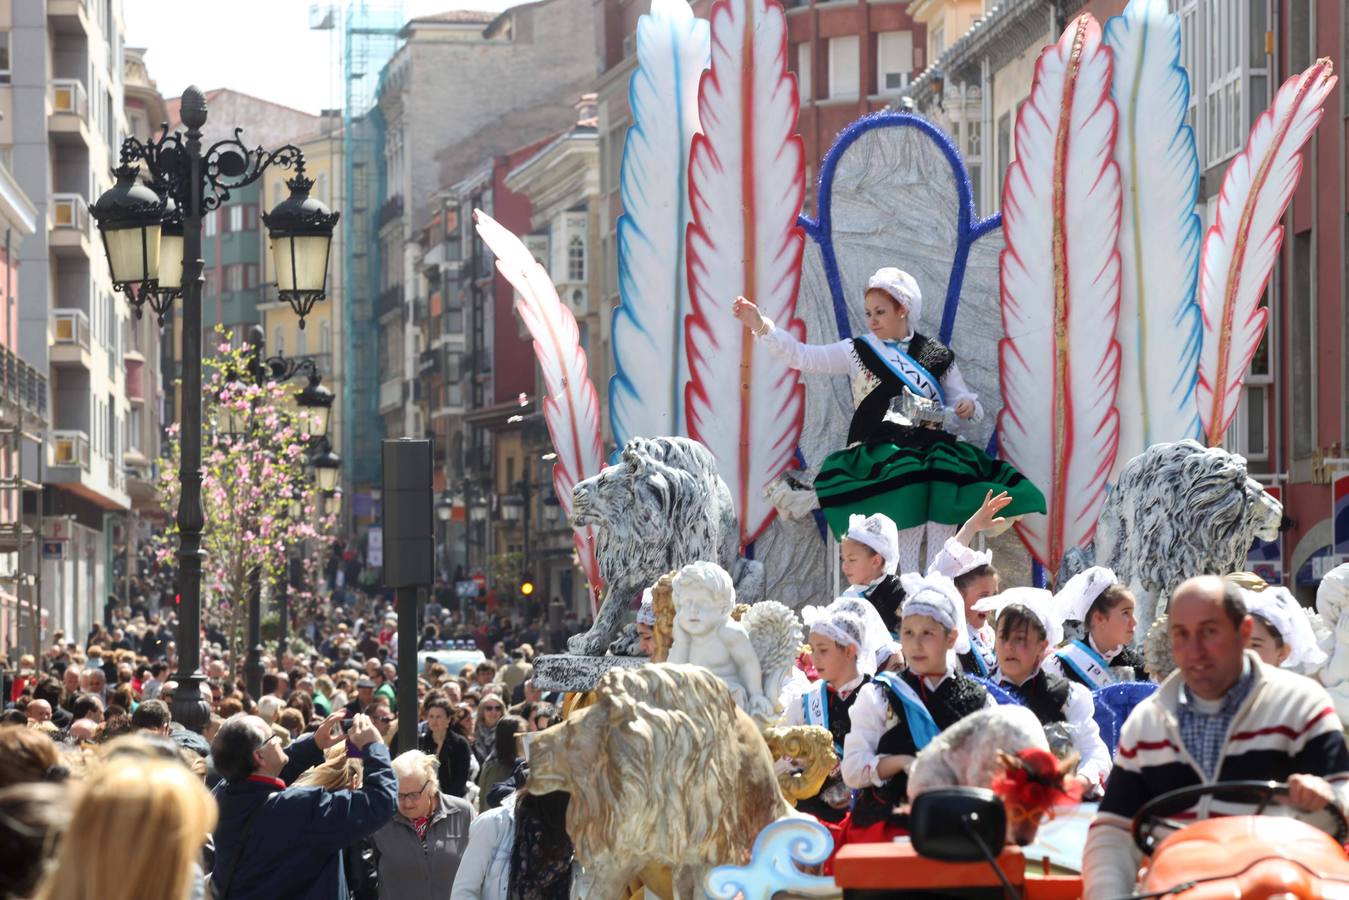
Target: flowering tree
[[249, 480]]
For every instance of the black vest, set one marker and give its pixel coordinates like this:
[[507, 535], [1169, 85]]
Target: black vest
[[887, 596], [840, 723], [868, 423], [1045, 694], [954, 699]]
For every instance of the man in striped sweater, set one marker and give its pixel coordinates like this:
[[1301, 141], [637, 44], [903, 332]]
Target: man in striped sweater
[[1222, 716]]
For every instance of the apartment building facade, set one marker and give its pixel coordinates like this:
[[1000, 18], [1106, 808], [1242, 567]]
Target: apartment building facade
[[430, 298], [23, 422], [64, 112]]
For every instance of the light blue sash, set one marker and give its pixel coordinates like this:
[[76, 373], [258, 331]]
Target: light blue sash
[[922, 726], [906, 369], [1086, 663]]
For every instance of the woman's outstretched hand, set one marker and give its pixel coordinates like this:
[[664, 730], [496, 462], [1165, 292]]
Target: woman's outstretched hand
[[748, 314]]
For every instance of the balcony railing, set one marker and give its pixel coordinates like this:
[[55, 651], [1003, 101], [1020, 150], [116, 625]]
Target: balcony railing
[[392, 209], [68, 96], [389, 300], [70, 211], [22, 385], [70, 326], [70, 448]]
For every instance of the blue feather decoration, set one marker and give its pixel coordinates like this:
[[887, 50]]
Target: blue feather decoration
[[651, 370], [1160, 326]]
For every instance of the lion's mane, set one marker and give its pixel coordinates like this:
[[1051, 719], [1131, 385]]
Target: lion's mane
[[662, 506], [675, 774], [1180, 510]]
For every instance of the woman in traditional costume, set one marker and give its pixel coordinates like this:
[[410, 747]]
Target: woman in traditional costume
[[1102, 656], [908, 467]]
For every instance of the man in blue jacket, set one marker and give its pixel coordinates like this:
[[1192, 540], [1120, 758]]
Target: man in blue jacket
[[277, 841]]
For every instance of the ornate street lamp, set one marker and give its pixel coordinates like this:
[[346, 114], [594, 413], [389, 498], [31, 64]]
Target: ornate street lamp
[[316, 403], [445, 507], [326, 464], [131, 219], [300, 229]]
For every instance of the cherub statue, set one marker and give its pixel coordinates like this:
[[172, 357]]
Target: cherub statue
[[753, 656]]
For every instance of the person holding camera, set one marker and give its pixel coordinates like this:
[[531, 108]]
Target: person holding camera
[[280, 841]]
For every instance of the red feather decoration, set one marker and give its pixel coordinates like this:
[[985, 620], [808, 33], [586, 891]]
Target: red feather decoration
[[746, 184], [1059, 363]]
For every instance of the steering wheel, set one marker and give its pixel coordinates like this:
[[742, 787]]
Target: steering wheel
[[1261, 793]]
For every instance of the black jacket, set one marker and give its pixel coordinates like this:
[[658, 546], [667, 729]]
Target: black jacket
[[454, 761]]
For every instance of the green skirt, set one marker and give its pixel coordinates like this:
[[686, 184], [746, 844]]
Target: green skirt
[[944, 482]]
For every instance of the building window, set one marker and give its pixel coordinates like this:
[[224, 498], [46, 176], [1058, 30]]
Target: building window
[[236, 218], [454, 321], [894, 61], [4, 57], [936, 42], [211, 222], [804, 83], [576, 259], [1223, 108], [302, 343], [1302, 349], [325, 338], [278, 341], [251, 217], [234, 278], [844, 83]]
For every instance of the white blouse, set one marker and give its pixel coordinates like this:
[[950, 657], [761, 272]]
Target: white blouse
[[871, 717], [838, 358]]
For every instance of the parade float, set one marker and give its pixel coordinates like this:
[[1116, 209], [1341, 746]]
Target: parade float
[[1104, 331]]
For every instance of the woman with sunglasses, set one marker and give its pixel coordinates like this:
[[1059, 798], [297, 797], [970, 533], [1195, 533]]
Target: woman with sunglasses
[[490, 711], [450, 748], [419, 850]]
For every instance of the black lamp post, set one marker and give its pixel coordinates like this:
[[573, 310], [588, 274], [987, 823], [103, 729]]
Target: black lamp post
[[138, 228]]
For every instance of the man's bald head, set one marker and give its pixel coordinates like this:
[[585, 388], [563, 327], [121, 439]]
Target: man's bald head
[[1209, 631], [39, 711]]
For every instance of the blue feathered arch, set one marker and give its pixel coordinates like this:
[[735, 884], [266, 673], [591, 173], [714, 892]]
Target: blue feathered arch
[[969, 227]]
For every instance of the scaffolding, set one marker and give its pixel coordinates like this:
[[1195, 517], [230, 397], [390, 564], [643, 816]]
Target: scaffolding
[[365, 35]]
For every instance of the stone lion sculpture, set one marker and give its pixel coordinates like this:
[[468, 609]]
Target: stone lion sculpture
[[660, 507], [663, 770], [1178, 510]]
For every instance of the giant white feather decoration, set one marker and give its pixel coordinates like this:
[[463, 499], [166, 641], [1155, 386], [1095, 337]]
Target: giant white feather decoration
[[1243, 243], [1159, 321], [651, 372], [747, 183], [1059, 362], [572, 409]]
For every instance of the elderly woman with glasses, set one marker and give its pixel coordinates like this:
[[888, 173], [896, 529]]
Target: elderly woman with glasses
[[419, 851]]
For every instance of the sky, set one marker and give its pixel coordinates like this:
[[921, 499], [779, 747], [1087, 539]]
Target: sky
[[260, 47]]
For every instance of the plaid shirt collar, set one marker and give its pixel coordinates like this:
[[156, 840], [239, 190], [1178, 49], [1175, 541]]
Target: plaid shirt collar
[[1205, 734]]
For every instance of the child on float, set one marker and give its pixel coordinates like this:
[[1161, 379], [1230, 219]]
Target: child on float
[[1103, 655], [1281, 633], [897, 715], [913, 470], [869, 558], [975, 578], [1026, 627], [845, 661]]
